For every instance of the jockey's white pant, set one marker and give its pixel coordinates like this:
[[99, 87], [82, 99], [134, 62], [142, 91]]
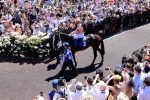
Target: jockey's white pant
[[76, 36]]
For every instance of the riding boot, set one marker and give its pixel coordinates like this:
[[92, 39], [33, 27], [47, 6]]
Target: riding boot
[[78, 44]]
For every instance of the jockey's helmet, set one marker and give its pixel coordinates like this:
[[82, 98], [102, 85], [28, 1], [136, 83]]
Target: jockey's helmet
[[66, 44], [55, 83]]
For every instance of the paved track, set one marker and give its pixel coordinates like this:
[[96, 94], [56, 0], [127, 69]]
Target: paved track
[[21, 81]]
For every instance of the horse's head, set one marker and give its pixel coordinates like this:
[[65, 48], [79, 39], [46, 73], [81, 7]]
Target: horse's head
[[63, 38]]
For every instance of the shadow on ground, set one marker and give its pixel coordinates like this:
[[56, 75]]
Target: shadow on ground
[[21, 61], [68, 75]]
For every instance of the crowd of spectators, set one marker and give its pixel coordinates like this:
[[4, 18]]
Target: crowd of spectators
[[29, 17], [131, 81]]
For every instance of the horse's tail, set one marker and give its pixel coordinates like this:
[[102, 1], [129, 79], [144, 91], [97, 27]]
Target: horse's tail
[[102, 47]]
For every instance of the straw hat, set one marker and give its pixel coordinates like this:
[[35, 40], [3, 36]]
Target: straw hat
[[61, 99], [17, 25], [87, 97]]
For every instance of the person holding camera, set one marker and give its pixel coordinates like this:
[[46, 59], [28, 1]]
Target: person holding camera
[[79, 91], [89, 87]]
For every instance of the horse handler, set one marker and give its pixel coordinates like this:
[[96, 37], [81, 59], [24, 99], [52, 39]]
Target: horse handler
[[68, 60]]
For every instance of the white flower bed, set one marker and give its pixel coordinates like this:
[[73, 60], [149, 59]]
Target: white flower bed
[[14, 45]]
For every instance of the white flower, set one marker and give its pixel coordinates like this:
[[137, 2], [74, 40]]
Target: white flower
[[41, 45], [14, 34], [22, 37], [39, 49], [35, 47], [45, 37], [17, 41], [15, 51], [18, 48], [33, 37], [8, 42], [48, 45], [15, 46], [11, 49], [1, 44], [41, 34], [3, 50]]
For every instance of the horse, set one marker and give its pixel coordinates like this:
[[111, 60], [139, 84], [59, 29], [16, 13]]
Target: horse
[[92, 40]]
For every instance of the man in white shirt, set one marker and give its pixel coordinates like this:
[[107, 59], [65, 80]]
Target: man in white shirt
[[144, 94], [8, 16], [36, 30], [78, 94]]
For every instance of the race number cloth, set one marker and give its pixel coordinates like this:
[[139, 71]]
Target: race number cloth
[[82, 44]]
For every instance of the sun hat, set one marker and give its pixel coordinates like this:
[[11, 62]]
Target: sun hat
[[87, 97], [79, 86]]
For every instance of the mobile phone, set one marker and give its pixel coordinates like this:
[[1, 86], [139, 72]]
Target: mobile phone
[[93, 77], [85, 77]]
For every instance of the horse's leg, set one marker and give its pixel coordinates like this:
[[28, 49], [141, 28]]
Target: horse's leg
[[95, 55], [100, 51], [73, 54]]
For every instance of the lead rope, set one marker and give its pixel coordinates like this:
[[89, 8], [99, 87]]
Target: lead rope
[[60, 38]]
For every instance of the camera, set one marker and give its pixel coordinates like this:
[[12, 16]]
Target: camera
[[124, 60], [93, 77]]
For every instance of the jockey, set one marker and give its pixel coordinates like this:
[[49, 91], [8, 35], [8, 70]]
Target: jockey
[[78, 34]]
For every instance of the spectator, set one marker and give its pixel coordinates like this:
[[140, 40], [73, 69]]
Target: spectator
[[101, 89], [118, 94], [129, 89], [128, 67], [40, 97], [89, 87], [144, 94], [57, 91], [79, 92]]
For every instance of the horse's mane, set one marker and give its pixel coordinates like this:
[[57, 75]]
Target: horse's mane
[[65, 37]]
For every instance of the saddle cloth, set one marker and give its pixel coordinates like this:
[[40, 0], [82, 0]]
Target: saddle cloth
[[82, 42]]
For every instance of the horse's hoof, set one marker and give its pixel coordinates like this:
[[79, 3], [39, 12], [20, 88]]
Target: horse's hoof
[[75, 65], [102, 60]]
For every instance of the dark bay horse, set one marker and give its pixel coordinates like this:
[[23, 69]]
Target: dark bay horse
[[92, 40]]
